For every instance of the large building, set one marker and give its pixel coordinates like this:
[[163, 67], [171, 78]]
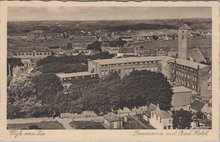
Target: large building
[[37, 53], [192, 75], [81, 42], [124, 66]]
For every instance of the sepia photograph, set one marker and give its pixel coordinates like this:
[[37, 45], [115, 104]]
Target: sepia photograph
[[109, 68]]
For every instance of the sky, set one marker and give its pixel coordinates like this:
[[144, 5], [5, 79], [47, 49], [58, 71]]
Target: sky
[[105, 13]]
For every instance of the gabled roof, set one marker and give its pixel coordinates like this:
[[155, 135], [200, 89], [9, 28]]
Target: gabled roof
[[196, 55], [206, 52], [162, 113], [151, 107], [197, 105], [185, 27], [111, 117]]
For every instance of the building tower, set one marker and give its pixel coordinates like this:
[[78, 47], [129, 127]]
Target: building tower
[[184, 42]]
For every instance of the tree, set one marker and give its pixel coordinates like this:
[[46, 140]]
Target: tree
[[96, 45], [13, 62], [155, 37], [47, 87], [182, 119], [138, 89]]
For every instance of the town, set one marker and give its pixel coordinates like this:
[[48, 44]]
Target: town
[[110, 79]]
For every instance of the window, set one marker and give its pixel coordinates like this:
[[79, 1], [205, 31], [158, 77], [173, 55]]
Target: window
[[170, 121], [156, 117], [209, 87], [169, 127], [102, 72], [165, 127], [182, 36], [160, 120]]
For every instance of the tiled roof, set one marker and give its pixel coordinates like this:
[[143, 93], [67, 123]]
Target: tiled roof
[[151, 107], [197, 105], [206, 52], [131, 59], [197, 55], [111, 117], [63, 75], [185, 27], [162, 113]]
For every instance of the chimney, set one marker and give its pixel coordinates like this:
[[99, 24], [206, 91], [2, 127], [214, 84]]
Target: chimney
[[158, 107]]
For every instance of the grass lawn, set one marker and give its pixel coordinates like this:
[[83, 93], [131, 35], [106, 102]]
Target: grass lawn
[[41, 125], [86, 125]]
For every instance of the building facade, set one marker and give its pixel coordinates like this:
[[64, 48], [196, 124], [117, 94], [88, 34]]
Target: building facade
[[81, 42], [33, 53], [68, 79], [124, 66], [191, 75], [112, 121], [161, 119]]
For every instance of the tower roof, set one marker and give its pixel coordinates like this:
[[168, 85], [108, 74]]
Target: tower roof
[[185, 27]]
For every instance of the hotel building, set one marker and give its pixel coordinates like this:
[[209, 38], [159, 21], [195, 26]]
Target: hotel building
[[124, 66]]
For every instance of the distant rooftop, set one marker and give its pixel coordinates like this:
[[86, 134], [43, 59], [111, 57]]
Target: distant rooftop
[[197, 105], [63, 75], [30, 49], [185, 27], [111, 117], [126, 50], [131, 59]]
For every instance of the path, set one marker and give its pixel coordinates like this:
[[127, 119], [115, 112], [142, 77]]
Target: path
[[29, 120], [65, 122]]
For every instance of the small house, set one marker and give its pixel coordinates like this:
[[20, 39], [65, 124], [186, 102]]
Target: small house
[[112, 121], [161, 119]]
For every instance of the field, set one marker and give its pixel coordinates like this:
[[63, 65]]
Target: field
[[41, 125]]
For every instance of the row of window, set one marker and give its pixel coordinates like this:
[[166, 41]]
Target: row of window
[[185, 75], [129, 70], [187, 84], [183, 67], [76, 77], [37, 53], [131, 63]]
